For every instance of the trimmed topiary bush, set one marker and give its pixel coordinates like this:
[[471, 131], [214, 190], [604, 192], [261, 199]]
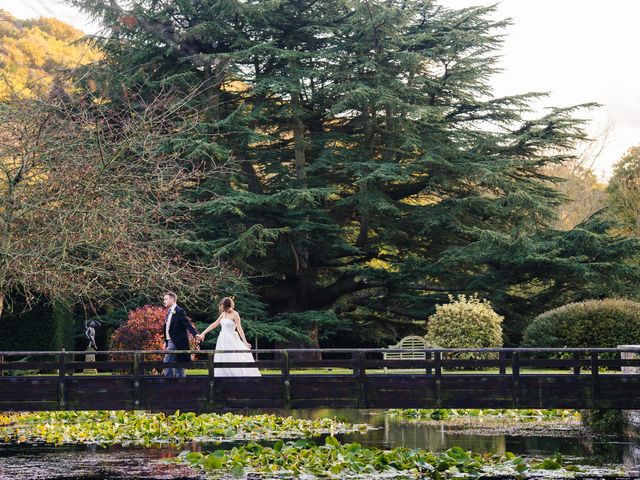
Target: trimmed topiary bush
[[466, 322], [593, 323], [53, 322]]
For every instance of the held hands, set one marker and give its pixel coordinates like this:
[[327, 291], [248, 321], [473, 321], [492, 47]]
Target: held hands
[[200, 337], [248, 345]]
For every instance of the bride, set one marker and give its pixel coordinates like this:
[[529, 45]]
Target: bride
[[231, 338]]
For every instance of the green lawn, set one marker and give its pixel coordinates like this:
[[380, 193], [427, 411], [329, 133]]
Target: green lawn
[[347, 371]]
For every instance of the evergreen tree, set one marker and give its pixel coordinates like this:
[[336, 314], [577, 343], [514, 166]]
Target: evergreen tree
[[371, 171]]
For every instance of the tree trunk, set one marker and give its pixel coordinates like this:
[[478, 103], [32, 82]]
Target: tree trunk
[[298, 139], [301, 255]]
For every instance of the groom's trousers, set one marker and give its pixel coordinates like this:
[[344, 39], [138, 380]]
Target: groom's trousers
[[172, 358]]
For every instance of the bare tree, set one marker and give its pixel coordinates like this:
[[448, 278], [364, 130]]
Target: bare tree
[[624, 190], [585, 193], [89, 199]]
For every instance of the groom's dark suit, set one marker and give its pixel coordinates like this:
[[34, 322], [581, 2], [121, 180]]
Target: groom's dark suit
[[178, 338]]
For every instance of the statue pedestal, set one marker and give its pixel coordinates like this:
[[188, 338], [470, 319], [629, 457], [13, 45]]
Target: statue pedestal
[[90, 357]]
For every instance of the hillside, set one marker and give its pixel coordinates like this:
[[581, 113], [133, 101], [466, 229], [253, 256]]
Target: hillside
[[32, 52]]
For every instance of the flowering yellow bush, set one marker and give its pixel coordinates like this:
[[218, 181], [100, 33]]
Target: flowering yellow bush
[[465, 322]]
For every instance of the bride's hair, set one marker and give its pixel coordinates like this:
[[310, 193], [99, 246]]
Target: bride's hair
[[226, 304]]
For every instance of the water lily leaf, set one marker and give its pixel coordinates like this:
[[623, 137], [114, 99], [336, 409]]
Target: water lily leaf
[[237, 470], [332, 442], [213, 462], [194, 457]]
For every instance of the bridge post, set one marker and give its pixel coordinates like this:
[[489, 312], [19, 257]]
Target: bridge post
[[631, 417], [211, 376], [361, 378], [595, 381], [515, 378], [576, 363], [286, 384], [136, 380], [502, 358], [437, 362], [61, 381]]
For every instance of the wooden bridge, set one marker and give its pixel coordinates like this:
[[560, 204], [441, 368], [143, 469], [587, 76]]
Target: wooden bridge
[[500, 378]]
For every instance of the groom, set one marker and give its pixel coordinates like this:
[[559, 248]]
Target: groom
[[176, 335]]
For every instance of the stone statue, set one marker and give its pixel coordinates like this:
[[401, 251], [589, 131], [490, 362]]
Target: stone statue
[[90, 333]]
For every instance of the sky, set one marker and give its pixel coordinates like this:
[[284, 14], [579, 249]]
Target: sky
[[579, 51]]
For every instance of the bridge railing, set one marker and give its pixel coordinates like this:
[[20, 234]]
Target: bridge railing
[[306, 378], [367, 361]]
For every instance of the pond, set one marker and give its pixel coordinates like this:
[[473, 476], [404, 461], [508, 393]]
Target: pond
[[538, 439]]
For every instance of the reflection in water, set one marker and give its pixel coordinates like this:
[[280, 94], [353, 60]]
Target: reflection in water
[[29, 462], [393, 432], [22, 462]]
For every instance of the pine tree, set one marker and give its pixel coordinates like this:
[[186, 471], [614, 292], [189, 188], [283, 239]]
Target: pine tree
[[371, 171]]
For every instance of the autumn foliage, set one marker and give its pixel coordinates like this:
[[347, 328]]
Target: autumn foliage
[[141, 331]]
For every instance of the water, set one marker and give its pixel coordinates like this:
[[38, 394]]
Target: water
[[537, 439]]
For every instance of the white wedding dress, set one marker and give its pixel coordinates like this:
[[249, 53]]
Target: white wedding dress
[[230, 340]]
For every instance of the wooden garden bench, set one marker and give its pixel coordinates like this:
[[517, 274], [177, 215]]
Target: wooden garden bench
[[408, 345]]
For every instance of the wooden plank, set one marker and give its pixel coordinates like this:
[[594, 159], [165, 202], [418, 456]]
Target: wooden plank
[[160, 365], [554, 391], [37, 396], [21, 366], [115, 383], [29, 406], [315, 364], [204, 365], [101, 400], [211, 368], [28, 384], [137, 359], [577, 364], [61, 381], [70, 365], [463, 391], [399, 364], [105, 403], [477, 383], [401, 391], [345, 387], [618, 386], [595, 388], [544, 363], [437, 360], [103, 366], [469, 364], [618, 363], [515, 377], [326, 403], [360, 374], [399, 381], [286, 381], [362, 389]]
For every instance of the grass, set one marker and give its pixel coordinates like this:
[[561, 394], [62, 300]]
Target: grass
[[348, 371]]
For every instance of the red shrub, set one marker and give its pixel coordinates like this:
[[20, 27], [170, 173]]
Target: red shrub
[[141, 331]]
